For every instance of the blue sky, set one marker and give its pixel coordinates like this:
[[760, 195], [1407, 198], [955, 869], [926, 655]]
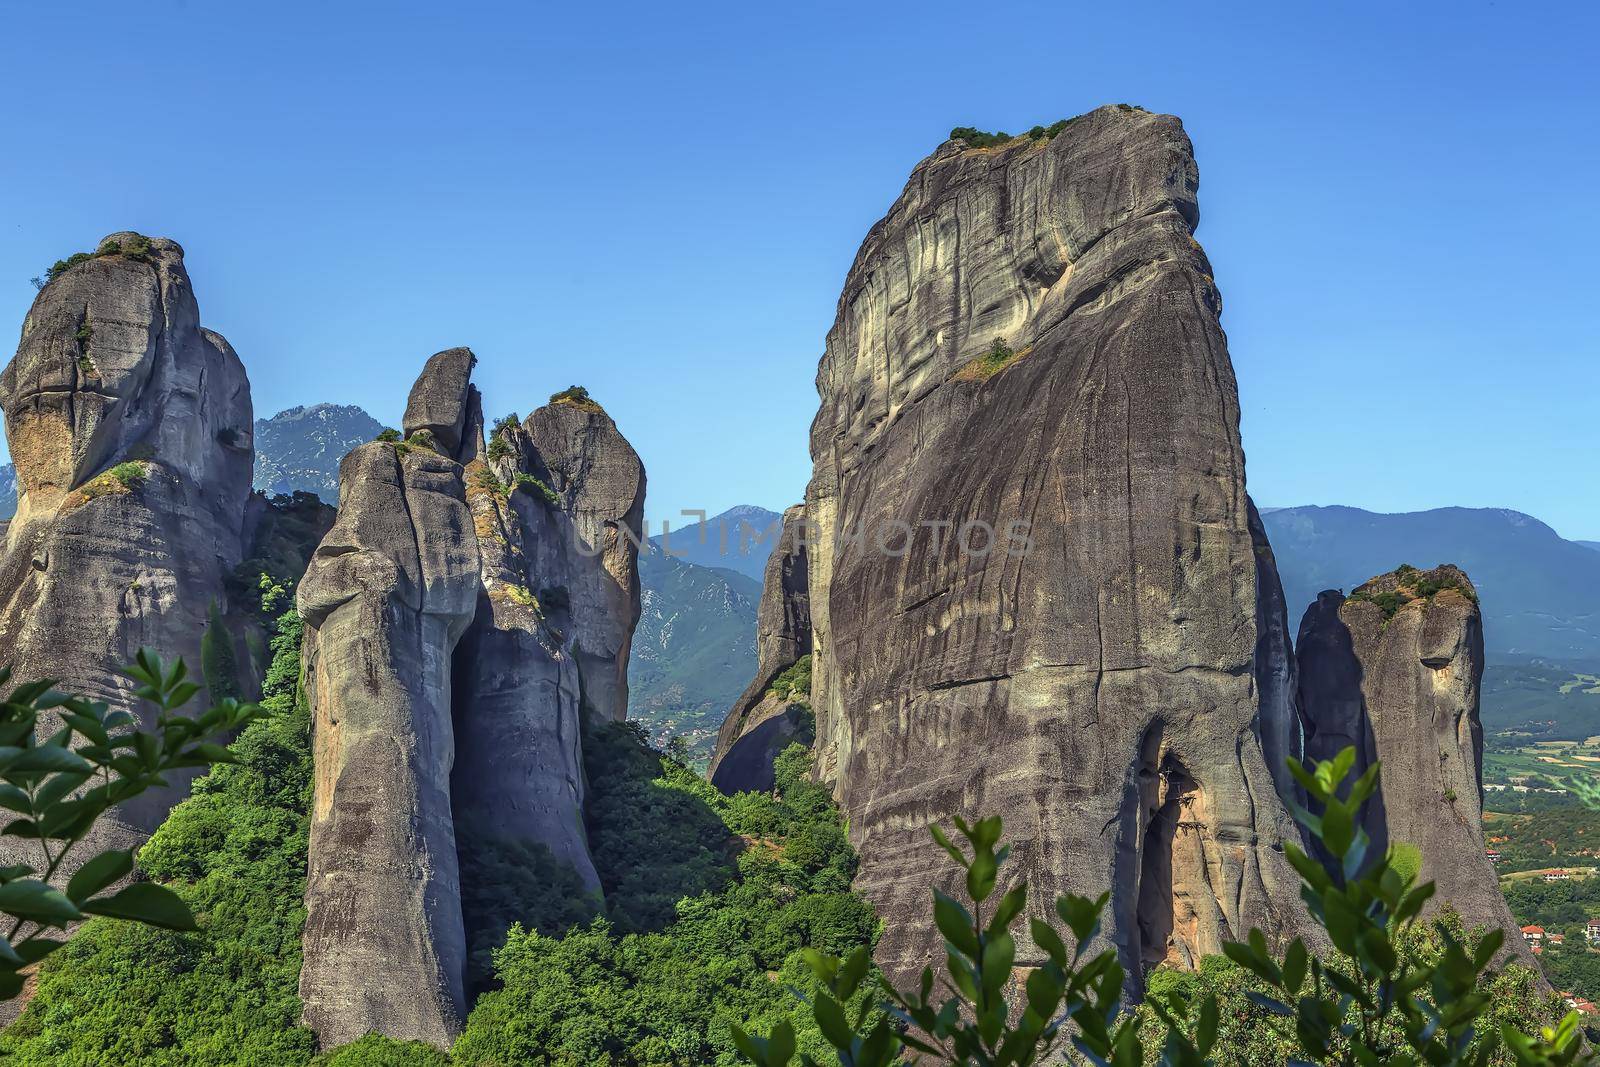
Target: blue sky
[[660, 202]]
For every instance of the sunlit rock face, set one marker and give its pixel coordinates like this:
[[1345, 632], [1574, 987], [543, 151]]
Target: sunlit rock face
[[1394, 671], [1029, 343], [476, 594], [130, 426]]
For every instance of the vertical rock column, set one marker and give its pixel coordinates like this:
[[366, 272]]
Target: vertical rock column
[[1030, 340], [760, 725], [1395, 670], [579, 453], [130, 425], [389, 593]]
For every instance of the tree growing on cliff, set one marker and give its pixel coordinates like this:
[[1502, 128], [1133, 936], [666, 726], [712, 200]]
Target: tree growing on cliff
[[1391, 991], [58, 780]]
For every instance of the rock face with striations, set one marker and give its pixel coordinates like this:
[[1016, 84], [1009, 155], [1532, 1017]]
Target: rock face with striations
[[578, 452], [452, 618], [761, 723], [1394, 670], [1036, 589], [130, 426]]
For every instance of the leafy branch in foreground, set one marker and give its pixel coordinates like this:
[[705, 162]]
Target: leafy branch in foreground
[[59, 785], [1373, 999]]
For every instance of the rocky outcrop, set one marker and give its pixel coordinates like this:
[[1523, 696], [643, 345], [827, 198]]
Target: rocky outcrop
[[762, 723], [1036, 590], [389, 592], [576, 450], [130, 426], [1394, 670], [454, 615]]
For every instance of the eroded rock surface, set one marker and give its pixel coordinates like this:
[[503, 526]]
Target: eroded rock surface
[[390, 591], [456, 621], [1395, 670], [578, 452], [130, 425], [1031, 336], [761, 724]]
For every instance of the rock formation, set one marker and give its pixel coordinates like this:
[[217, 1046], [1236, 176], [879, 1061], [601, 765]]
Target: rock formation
[[130, 426], [1036, 589], [456, 619], [763, 723], [1394, 671], [578, 453]]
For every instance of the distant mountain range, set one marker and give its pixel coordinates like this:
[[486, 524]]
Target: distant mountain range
[[300, 449], [1540, 593], [740, 539]]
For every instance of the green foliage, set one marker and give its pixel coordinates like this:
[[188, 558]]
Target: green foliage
[[1409, 584], [235, 853], [131, 473], [499, 448], [504, 423], [709, 900], [59, 784], [423, 439], [575, 394], [137, 247], [794, 683], [976, 138], [536, 488], [374, 1050], [1391, 990], [219, 665], [485, 479], [389, 434]]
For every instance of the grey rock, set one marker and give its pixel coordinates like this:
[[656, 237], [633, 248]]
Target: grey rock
[[1403, 689], [519, 768], [440, 401], [389, 593], [760, 724], [576, 450], [114, 368], [1101, 685]]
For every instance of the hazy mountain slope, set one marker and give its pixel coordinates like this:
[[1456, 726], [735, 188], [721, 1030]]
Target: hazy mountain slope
[[1540, 593], [8, 490], [694, 647], [739, 539], [301, 448]]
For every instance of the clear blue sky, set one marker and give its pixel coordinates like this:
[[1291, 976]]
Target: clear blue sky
[[660, 201]]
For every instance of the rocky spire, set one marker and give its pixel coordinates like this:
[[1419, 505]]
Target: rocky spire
[[130, 425], [1036, 590], [1394, 670], [762, 723], [466, 603]]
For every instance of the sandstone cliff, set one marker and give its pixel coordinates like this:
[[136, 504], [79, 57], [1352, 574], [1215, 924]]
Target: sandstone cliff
[[470, 598], [1029, 343], [763, 723], [130, 426], [1394, 670]]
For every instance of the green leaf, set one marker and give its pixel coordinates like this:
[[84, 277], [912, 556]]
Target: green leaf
[[29, 898], [49, 758], [955, 923], [831, 1021], [145, 902], [98, 873]]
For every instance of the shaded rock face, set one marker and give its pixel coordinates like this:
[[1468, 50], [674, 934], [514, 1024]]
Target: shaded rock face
[[760, 725], [576, 450], [1099, 674], [451, 622], [130, 427], [1394, 670]]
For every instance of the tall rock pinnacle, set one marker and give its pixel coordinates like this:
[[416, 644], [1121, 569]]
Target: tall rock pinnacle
[[130, 426], [1035, 587], [467, 602], [761, 724], [1394, 670]]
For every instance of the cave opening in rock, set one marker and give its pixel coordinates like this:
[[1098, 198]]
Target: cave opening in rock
[[1173, 871]]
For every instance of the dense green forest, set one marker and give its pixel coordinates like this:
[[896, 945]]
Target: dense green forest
[[707, 901]]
